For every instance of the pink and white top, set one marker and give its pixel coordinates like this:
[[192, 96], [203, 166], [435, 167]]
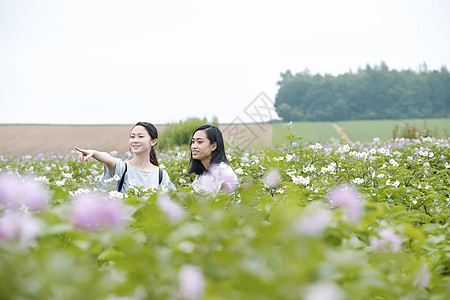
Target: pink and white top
[[218, 175]]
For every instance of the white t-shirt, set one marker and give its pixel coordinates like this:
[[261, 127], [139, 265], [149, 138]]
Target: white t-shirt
[[134, 176], [211, 181]]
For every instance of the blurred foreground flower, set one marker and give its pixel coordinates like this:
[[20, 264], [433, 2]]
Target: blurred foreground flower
[[173, 211], [387, 237], [21, 227], [423, 277], [313, 222], [92, 212], [323, 291], [272, 178], [191, 282], [16, 192], [349, 199]]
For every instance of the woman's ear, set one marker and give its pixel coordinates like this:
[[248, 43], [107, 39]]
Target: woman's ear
[[154, 142], [214, 147]]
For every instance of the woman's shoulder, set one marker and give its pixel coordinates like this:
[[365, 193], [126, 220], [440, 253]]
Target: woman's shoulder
[[120, 164], [224, 166]]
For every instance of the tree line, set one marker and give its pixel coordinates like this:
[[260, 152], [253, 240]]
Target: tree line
[[369, 94]]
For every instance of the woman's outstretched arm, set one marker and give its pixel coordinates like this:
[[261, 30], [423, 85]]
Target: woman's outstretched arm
[[103, 157]]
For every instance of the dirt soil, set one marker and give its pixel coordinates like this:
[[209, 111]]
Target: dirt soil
[[20, 140]]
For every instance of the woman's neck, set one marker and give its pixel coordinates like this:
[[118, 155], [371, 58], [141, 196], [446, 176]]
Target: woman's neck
[[142, 163], [206, 162]]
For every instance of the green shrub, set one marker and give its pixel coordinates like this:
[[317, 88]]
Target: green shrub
[[180, 133]]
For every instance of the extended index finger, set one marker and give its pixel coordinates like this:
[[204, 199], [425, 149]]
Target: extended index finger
[[80, 150]]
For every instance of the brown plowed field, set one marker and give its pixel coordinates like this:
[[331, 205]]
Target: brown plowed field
[[19, 140]]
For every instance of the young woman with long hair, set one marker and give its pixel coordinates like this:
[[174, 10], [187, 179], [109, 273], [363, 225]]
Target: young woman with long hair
[[209, 162], [141, 170]]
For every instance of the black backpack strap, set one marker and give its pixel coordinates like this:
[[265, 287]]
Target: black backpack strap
[[160, 176], [119, 188]]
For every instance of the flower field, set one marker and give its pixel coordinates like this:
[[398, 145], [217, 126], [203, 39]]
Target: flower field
[[308, 221]]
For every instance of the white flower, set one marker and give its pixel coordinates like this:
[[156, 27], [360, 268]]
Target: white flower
[[301, 180], [79, 191], [380, 175], [385, 152], [280, 191], [67, 175], [423, 153], [393, 162], [115, 194], [42, 179], [317, 146], [181, 180], [290, 157], [345, 148], [290, 172], [239, 171], [60, 182], [364, 155], [132, 183], [162, 166], [116, 177], [310, 168], [358, 180]]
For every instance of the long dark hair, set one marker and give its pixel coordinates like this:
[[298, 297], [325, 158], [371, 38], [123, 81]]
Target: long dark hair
[[217, 156], [151, 129]]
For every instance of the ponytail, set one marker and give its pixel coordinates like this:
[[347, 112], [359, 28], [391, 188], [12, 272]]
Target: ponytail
[[153, 158]]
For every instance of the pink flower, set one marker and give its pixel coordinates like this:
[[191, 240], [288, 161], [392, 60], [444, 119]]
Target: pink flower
[[390, 236], [191, 282], [349, 199], [173, 211], [16, 192], [92, 212], [272, 178], [387, 237], [20, 227], [313, 223]]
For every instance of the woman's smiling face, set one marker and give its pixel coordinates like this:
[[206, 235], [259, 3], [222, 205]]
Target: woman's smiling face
[[201, 147], [140, 140]]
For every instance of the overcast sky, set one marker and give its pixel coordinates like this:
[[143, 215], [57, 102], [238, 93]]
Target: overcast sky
[[108, 61]]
